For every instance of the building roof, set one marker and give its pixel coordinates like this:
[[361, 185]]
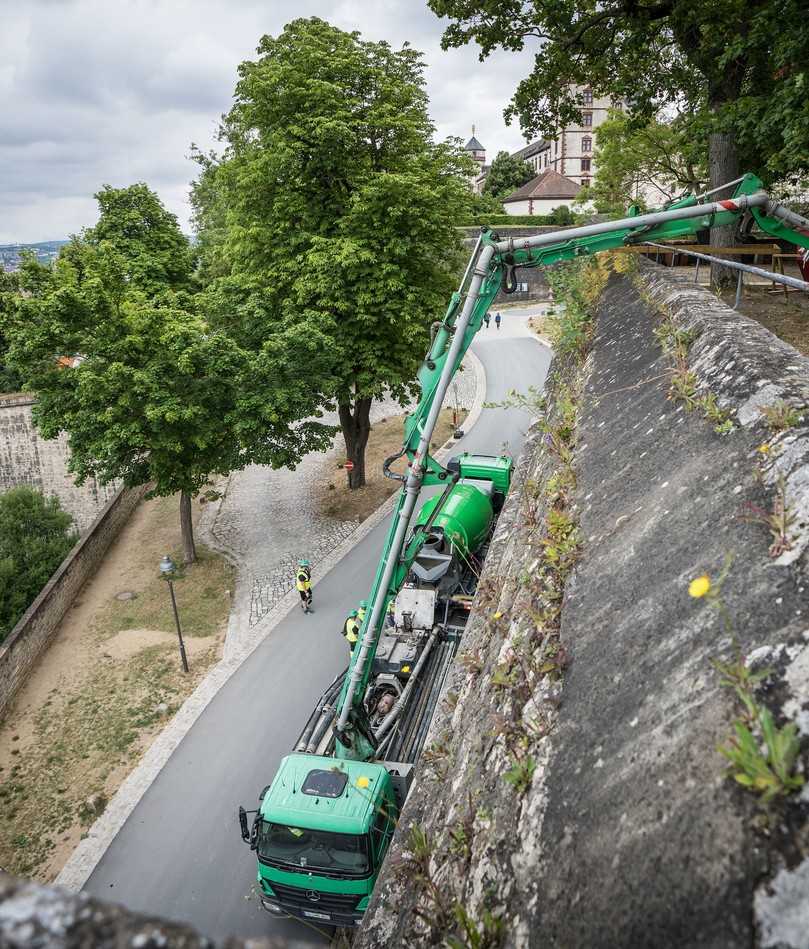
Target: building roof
[[530, 150], [547, 184], [473, 145]]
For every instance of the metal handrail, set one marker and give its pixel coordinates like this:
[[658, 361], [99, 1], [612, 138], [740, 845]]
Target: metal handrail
[[742, 268]]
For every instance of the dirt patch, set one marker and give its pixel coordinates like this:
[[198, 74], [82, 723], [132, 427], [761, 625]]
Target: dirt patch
[[129, 642], [104, 689], [786, 316], [334, 499]]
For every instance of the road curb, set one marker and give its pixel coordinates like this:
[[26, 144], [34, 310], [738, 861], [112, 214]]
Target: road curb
[[86, 857]]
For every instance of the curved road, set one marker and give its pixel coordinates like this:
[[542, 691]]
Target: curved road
[[179, 855]]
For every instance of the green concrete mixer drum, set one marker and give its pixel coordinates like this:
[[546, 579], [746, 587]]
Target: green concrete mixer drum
[[465, 518]]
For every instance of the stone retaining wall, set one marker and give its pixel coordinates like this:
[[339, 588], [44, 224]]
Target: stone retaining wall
[[628, 832], [27, 458], [532, 277], [22, 646]]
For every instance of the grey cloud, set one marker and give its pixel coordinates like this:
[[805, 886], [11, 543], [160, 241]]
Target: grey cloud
[[94, 92]]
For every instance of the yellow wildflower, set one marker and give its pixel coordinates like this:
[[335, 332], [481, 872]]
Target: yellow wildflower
[[700, 586], [497, 615], [764, 449]]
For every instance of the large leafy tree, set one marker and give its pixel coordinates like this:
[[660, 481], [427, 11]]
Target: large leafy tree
[[332, 208], [133, 222], [35, 536], [157, 396], [646, 164], [506, 174], [738, 68]]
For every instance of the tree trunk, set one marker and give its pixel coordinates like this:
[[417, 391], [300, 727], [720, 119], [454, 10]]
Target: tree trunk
[[723, 166], [187, 528], [356, 426]]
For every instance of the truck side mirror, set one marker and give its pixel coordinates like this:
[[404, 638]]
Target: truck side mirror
[[243, 825], [261, 796]]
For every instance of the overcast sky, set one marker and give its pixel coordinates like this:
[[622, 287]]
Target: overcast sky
[[95, 92]]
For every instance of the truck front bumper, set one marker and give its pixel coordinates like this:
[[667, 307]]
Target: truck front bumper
[[314, 915]]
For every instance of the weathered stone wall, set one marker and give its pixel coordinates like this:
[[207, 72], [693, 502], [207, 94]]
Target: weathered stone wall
[[628, 832], [27, 458], [22, 646], [41, 917]]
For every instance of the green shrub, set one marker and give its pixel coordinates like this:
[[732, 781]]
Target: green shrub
[[35, 537]]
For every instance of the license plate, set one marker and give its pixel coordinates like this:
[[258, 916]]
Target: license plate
[[308, 912]]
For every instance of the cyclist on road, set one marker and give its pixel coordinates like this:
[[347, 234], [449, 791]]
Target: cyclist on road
[[303, 583]]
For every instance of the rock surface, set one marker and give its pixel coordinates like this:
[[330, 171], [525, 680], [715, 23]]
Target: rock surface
[[40, 917], [630, 833]]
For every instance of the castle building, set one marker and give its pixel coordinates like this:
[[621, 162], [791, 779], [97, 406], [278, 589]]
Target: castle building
[[570, 153], [478, 153]]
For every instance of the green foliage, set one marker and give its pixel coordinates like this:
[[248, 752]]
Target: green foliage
[[575, 287], [762, 756], [484, 934], [333, 209], [156, 256], [35, 537], [521, 773], [632, 159], [506, 174], [501, 220], [732, 68], [780, 417], [10, 299], [158, 395]]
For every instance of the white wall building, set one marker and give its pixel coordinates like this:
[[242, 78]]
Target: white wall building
[[542, 194]]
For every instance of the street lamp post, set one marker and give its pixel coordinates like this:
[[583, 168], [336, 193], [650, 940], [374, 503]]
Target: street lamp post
[[167, 572]]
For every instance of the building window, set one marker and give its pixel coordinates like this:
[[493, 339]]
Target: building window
[[585, 164], [587, 98], [585, 182], [587, 119], [586, 144], [556, 146]]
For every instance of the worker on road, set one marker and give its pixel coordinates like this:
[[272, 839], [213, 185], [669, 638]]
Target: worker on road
[[351, 630], [361, 611], [487, 319], [497, 320], [303, 584]]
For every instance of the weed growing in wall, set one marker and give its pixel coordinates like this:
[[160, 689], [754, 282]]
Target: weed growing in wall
[[763, 756]]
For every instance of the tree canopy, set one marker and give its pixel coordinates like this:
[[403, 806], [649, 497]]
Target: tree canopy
[[157, 396], [332, 209], [133, 222], [35, 537], [506, 174], [727, 64], [642, 164]]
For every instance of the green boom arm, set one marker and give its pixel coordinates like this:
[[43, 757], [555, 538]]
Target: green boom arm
[[492, 265]]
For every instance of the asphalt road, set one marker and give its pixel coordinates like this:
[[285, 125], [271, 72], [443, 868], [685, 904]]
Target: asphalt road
[[179, 855]]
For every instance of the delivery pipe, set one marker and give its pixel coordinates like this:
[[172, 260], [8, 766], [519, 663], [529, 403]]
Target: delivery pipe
[[416, 475]]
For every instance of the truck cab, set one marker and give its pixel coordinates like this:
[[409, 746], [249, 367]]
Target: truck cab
[[321, 834]]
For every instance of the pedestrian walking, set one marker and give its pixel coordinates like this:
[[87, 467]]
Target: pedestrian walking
[[487, 319], [497, 320], [351, 630], [303, 584]]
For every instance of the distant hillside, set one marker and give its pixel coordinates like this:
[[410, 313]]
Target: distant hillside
[[46, 251]]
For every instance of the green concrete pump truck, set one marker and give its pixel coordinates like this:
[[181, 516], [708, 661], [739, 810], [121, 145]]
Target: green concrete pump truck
[[323, 826]]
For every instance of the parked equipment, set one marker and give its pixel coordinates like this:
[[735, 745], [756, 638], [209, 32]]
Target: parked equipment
[[324, 825]]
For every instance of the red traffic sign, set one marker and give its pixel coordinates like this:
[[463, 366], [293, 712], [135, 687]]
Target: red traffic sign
[[349, 466]]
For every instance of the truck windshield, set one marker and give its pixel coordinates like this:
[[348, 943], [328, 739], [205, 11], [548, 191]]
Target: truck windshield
[[346, 854]]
